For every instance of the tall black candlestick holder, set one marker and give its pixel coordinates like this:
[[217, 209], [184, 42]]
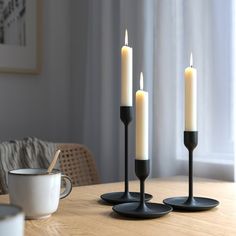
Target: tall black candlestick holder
[[142, 209], [191, 203], [126, 196]]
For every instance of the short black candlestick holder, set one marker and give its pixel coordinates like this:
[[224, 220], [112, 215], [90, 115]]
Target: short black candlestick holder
[[126, 196], [142, 209], [191, 203]]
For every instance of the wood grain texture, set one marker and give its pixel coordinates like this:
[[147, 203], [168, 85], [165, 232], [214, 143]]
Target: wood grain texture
[[82, 213]]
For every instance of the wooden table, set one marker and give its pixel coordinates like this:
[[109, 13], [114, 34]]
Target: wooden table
[[82, 213]]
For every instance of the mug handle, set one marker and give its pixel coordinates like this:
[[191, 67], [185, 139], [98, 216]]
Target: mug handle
[[68, 186]]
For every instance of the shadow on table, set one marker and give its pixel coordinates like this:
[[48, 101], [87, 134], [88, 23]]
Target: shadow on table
[[119, 217], [100, 201]]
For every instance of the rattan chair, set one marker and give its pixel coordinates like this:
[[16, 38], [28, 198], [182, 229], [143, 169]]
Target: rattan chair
[[77, 162]]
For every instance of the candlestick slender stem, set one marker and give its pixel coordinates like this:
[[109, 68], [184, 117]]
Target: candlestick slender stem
[[190, 141], [142, 204], [190, 175], [126, 161], [142, 190], [142, 168], [190, 199], [126, 117]]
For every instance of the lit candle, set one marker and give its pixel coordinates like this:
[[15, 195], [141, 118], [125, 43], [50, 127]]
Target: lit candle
[[190, 75], [141, 122], [126, 74]]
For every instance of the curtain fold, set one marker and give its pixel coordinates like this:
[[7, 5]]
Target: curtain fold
[[162, 33]]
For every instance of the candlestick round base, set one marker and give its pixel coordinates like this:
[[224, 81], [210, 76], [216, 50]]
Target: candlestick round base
[[147, 211], [122, 197], [194, 204]]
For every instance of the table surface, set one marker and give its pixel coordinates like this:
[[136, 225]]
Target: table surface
[[83, 213]]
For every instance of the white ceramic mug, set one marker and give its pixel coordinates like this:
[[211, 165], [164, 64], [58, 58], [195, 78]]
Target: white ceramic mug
[[37, 191], [12, 220]]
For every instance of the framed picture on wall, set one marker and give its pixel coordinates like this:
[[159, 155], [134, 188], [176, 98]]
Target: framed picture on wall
[[20, 36]]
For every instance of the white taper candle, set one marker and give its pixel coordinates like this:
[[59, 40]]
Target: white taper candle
[[126, 74], [141, 122], [190, 75]]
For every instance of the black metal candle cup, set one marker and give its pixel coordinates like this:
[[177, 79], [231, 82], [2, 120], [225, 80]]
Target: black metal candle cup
[[142, 209], [126, 196], [191, 203]]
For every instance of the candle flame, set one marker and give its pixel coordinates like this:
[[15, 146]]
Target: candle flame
[[141, 80], [191, 60], [126, 37]]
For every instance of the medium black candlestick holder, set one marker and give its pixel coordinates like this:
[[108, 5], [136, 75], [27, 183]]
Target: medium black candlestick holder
[[142, 209], [191, 203], [126, 196]]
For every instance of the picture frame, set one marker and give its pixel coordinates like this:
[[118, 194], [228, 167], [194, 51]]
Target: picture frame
[[20, 36]]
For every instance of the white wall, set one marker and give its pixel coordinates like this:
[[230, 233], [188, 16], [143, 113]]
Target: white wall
[[39, 105]]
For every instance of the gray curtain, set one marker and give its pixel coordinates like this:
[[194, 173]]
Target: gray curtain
[[97, 86], [162, 34]]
